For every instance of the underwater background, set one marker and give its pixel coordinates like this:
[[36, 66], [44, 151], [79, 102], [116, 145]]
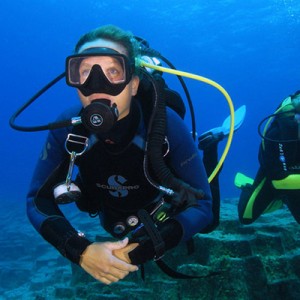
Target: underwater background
[[251, 48]]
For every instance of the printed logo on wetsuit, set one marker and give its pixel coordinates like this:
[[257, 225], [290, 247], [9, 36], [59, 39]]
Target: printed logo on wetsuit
[[116, 185]]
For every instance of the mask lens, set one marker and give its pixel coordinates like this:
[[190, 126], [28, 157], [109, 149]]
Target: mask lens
[[79, 68]]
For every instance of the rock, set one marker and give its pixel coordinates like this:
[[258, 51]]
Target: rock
[[258, 261]]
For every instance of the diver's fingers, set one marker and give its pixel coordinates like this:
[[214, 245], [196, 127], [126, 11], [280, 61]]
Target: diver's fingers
[[109, 278]]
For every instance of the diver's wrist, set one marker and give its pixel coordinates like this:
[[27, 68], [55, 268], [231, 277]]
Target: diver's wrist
[[75, 246]]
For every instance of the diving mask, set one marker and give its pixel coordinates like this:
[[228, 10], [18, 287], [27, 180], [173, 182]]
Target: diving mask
[[98, 70]]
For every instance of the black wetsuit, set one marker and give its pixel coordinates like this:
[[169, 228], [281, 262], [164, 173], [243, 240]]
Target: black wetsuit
[[278, 178], [112, 180]]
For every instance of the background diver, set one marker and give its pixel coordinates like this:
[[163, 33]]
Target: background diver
[[277, 181]]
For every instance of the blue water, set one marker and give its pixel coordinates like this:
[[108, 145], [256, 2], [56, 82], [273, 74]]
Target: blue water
[[251, 48]]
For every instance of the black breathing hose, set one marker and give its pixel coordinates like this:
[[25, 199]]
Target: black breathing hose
[[152, 52], [29, 102], [155, 139]]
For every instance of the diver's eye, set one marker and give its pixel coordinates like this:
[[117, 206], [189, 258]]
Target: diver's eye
[[84, 73], [113, 72], [115, 75]]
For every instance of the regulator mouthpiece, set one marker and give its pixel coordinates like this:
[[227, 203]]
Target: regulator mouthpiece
[[100, 116]]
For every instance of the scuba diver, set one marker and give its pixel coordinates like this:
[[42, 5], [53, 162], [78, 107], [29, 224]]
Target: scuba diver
[[126, 157], [111, 180], [277, 181]]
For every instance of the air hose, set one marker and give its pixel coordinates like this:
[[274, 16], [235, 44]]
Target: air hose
[[155, 138], [217, 86]]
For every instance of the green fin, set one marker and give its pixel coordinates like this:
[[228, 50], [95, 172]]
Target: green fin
[[223, 131], [241, 180], [239, 116]]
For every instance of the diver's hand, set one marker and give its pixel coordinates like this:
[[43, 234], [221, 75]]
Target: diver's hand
[[123, 253], [98, 260]]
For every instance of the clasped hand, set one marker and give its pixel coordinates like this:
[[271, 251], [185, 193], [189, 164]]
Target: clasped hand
[[108, 262]]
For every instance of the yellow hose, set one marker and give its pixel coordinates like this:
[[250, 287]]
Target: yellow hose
[[217, 86]]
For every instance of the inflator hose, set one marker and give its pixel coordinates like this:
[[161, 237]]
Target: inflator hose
[[156, 137]]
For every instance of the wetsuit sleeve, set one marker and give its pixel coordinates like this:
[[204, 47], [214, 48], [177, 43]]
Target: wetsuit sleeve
[[42, 211], [187, 165]]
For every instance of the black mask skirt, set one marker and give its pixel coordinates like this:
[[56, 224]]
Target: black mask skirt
[[98, 83]]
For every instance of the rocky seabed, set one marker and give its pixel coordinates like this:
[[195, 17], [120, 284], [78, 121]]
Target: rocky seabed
[[259, 261]]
